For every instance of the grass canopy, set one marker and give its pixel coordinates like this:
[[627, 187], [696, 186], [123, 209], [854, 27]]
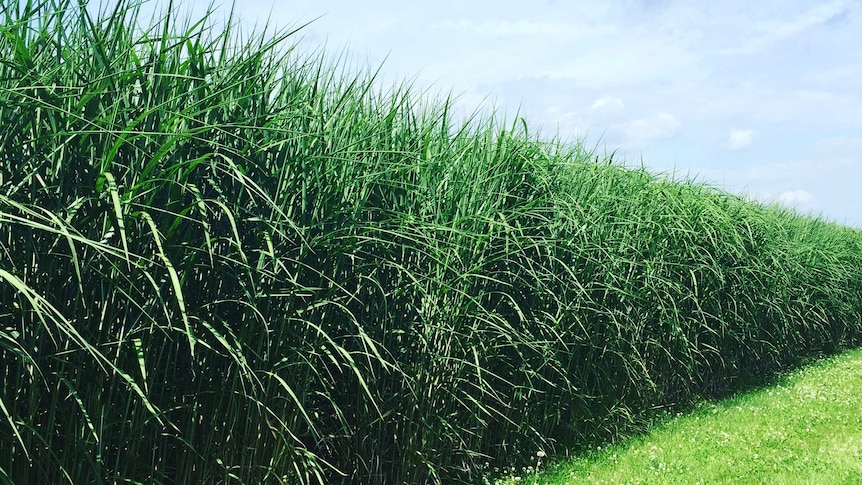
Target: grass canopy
[[225, 262]]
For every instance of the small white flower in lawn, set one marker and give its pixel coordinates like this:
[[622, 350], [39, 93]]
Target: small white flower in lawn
[[540, 454]]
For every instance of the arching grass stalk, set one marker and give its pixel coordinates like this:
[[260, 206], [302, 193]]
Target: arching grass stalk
[[221, 261]]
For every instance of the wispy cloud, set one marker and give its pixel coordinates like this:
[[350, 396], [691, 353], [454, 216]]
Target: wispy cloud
[[639, 132], [566, 124], [768, 33], [818, 15], [622, 60], [608, 103], [739, 139], [780, 173], [795, 197], [505, 28]]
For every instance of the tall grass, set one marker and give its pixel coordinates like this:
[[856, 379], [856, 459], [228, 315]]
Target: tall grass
[[226, 262]]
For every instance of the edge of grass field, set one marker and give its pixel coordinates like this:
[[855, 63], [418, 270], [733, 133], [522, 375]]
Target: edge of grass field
[[803, 427]]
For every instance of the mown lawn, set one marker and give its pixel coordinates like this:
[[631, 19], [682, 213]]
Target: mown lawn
[[806, 428]]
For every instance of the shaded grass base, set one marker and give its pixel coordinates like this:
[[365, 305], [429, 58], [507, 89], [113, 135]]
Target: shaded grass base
[[804, 427]]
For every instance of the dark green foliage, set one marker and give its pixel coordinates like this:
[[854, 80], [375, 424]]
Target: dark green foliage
[[222, 263]]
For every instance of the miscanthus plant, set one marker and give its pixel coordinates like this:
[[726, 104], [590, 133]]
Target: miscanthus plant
[[221, 261]]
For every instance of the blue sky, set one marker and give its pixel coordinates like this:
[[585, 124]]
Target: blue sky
[[762, 98]]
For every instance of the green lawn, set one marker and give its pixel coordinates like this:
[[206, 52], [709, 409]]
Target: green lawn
[[804, 429]]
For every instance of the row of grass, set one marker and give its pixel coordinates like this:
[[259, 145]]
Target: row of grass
[[222, 261], [803, 428]]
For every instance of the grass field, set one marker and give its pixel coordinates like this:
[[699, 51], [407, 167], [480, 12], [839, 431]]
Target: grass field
[[805, 428], [222, 261]]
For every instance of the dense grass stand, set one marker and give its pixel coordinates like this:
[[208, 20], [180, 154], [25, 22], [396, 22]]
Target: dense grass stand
[[224, 262]]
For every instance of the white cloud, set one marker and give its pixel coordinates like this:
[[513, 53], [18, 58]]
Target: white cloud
[[818, 15], [794, 197], [642, 131], [608, 103], [504, 28], [566, 124], [740, 139], [772, 174], [774, 32], [622, 60]]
